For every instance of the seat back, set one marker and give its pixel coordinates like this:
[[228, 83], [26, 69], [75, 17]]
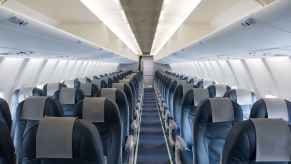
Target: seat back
[[252, 141], [68, 98], [56, 140], [179, 92], [104, 114], [50, 88], [190, 104], [244, 98], [7, 152], [218, 90], [215, 118], [272, 108], [5, 115], [29, 113], [118, 96]]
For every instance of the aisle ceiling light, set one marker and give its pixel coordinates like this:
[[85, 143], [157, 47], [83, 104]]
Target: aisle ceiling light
[[111, 13], [173, 15]]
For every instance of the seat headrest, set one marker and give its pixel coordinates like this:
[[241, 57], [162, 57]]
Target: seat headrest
[[25, 92], [54, 138], [67, 96], [274, 144], [97, 82], [93, 109], [70, 83], [52, 88], [220, 90], [244, 97], [119, 86], [221, 110], [200, 94], [109, 93], [207, 83], [33, 108], [86, 88], [276, 108]]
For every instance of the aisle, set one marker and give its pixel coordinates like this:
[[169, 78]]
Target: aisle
[[152, 146]]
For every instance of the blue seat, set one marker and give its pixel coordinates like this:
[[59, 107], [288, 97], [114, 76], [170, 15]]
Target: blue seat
[[68, 98], [55, 140], [215, 118], [29, 113], [244, 98], [253, 142]]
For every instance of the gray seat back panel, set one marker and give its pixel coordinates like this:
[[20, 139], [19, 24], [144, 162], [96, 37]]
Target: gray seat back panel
[[54, 138], [200, 94], [109, 93], [119, 86], [67, 96], [93, 109], [222, 110], [272, 140], [33, 108], [86, 88]]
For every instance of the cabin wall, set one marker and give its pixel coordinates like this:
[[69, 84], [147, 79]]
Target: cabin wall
[[19, 72], [268, 77]]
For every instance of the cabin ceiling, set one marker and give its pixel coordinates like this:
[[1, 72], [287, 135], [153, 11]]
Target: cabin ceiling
[[143, 19]]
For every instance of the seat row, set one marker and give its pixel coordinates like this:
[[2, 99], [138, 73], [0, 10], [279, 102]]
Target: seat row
[[217, 124], [64, 125]]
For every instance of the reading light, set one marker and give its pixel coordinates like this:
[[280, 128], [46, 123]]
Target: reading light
[[111, 13], [173, 15]]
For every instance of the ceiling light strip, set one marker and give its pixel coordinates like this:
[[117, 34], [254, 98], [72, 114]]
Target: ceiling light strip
[[111, 13], [172, 16]]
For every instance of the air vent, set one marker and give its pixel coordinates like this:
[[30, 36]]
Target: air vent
[[248, 22], [4, 51], [17, 21]]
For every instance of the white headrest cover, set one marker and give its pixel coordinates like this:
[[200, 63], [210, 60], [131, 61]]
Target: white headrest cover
[[222, 110], [277, 108], [244, 97], [272, 140], [220, 90]]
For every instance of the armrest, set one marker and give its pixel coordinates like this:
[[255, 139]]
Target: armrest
[[129, 149], [183, 155]]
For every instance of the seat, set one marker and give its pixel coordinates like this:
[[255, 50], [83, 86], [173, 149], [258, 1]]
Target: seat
[[129, 95], [218, 90], [272, 108], [50, 88], [29, 112], [100, 83], [5, 115], [179, 92], [118, 96], [104, 114], [20, 95], [244, 98], [253, 142], [55, 140], [7, 151], [68, 98], [89, 89], [215, 118], [192, 99]]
